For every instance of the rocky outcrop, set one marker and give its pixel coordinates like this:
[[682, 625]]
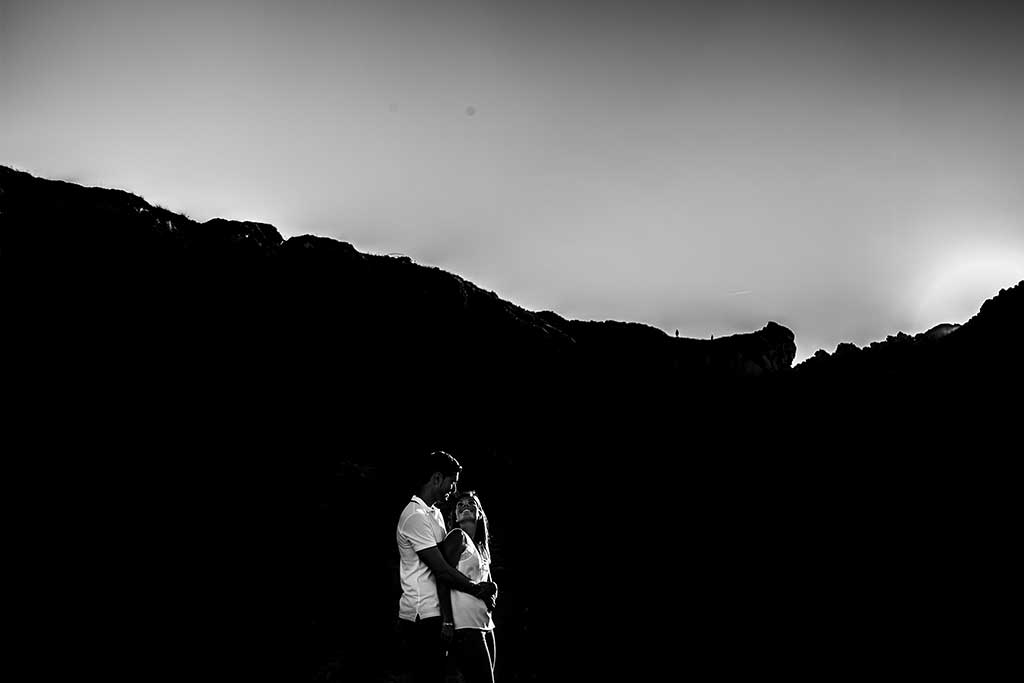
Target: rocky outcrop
[[257, 238], [977, 349], [941, 330]]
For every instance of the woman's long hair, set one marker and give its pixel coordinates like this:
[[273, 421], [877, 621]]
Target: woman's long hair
[[482, 536]]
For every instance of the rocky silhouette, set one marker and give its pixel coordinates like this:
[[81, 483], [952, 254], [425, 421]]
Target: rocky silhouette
[[380, 303], [239, 402]]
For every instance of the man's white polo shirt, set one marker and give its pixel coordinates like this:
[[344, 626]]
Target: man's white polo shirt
[[420, 527]]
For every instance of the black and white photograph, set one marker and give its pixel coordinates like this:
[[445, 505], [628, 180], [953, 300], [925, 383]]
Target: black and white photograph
[[506, 341]]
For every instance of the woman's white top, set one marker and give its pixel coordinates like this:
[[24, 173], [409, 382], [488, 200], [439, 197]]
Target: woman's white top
[[469, 611]]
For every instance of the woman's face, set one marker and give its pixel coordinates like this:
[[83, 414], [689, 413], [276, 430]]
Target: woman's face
[[467, 509]]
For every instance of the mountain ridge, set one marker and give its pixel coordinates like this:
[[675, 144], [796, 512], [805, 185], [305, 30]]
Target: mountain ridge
[[124, 226], [393, 297]]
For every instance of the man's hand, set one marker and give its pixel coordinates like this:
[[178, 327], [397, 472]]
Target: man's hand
[[488, 592], [486, 589], [447, 631]]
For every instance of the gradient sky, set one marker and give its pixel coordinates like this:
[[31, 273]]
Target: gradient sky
[[848, 172]]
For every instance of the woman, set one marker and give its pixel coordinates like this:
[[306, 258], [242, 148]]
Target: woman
[[467, 549]]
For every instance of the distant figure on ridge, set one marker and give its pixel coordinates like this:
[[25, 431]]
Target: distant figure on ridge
[[677, 334]]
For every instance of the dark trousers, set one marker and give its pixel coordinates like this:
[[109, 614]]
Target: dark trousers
[[422, 643], [474, 652]]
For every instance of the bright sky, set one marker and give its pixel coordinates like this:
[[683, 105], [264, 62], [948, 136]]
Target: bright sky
[[711, 166]]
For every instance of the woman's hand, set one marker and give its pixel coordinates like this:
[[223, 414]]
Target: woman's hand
[[447, 631], [490, 602]]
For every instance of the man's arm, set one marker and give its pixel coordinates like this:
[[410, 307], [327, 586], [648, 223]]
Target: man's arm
[[421, 536], [444, 572], [444, 595], [451, 550]]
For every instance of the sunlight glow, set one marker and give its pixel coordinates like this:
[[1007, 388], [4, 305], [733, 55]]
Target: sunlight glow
[[962, 280]]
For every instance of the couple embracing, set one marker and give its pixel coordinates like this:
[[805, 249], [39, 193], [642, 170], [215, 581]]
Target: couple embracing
[[447, 595]]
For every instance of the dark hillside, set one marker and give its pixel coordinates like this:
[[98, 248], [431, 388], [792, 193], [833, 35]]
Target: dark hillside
[[231, 414]]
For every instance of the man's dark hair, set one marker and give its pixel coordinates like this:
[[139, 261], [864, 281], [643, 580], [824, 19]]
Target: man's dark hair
[[436, 461]]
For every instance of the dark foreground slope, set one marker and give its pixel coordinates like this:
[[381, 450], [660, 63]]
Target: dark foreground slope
[[241, 410]]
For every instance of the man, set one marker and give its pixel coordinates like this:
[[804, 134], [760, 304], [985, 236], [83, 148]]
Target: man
[[420, 531]]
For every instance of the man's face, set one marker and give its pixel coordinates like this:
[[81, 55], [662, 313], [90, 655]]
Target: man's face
[[449, 485]]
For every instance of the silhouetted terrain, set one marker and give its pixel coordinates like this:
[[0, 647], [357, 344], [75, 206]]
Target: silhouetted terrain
[[240, 407]]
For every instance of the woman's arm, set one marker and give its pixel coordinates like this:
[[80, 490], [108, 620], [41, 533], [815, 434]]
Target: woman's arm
[[453, 546]]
